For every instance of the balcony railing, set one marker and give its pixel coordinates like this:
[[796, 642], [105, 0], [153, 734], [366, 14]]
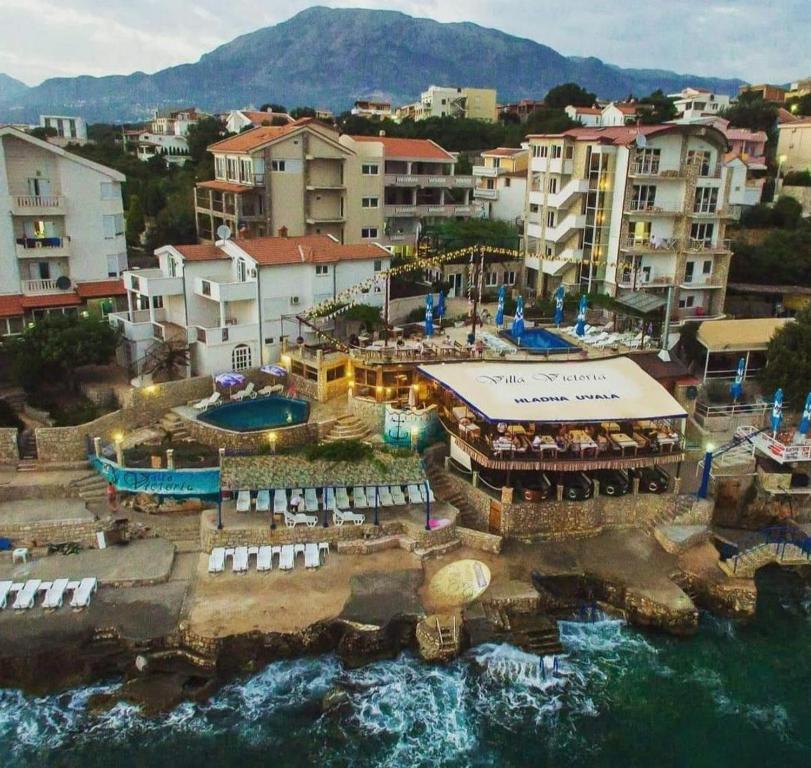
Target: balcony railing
[[641, 281], [33, 287], [705, 246], [486, 171], [227, 334], [38, 201], [636, 208], [485, 194], [428, 180], [645, 245]]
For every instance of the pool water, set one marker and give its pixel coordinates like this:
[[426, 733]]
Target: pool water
[[540, 340], [257, 414]]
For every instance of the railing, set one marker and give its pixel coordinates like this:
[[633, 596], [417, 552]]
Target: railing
[[704, 246], [651, 244], [629, 281], [39, 286], [485, 193], [636, 207], [486, 171], [779, 542], [38, 201], [227, 333], [427, 180], [42, 242]]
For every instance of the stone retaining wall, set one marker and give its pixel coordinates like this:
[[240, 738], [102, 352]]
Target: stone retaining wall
[[369, 412], [40, 534], [486, 542], [298, 434], [9, 452]]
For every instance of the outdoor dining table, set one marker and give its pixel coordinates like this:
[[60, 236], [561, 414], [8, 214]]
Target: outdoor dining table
[[666, 439], [583, 441], [623, 441], [610, 426], [547, 443], [470, 429]]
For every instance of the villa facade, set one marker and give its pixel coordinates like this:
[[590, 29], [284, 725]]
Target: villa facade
[[501, 183]]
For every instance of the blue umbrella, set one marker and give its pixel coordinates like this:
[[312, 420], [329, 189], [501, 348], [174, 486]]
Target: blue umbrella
[[580, 330], [777, 411], [502, 293], [274, 370], [518, 321], [559, 294], [229, 379], [805, 421], [440, 305], [429, 314], [737, 386]]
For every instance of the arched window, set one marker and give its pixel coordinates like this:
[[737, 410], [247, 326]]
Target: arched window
[[241, 357]]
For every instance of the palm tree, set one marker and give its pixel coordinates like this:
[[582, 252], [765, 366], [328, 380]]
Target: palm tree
[[168, 359]]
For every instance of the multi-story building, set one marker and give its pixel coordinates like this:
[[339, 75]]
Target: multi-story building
[[698, 103], [63, 236], [307, 178], [799, 88], [174, 122], [794, 145], [69, 129], [375, 110], [174, 150], [520, 109], [772, 93], [235, 301], [628, 208], [588, 116], [449, 101], [501, 183]]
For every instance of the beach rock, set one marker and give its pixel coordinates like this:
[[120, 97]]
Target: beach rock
[[334, 699]]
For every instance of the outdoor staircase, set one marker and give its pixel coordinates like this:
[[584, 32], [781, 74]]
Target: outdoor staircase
[[447, 628], [91, 488], [746, 563], [444, 490], [347, 428], [682, 504], [28, 446], [175, 427], [535, 634]]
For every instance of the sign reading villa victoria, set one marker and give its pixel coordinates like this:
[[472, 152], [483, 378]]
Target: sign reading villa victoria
[[611, 389], [164, 482]]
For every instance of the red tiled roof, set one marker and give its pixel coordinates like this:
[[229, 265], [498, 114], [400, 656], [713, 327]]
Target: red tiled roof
[[50, 300], [621, 135], [588, 111], [224, 186], [256, 137], [784, 116], [308, 249], [11, 305], [627, 109], [101, 289], [744, 134], [257, 118], [503, 151], [202, 252], [407, 148]]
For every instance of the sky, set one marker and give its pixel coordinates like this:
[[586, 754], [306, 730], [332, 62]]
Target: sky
[[757, 40]]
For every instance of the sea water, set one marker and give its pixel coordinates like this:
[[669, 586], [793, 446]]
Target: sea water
[[731, 696]]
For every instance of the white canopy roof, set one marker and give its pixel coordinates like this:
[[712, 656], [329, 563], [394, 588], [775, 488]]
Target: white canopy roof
[[610, 389]]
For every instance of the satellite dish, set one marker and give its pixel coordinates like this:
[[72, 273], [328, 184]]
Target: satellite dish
[[224, 232], [63, 283], [640, 141]]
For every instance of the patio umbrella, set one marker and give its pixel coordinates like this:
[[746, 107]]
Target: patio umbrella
[[559, 294], [440, 305], [736, 390], [273, 369], [805, 421], [229, 380], [429, 314], [517, 329], [580, 330], [502, 292], [777, 411]]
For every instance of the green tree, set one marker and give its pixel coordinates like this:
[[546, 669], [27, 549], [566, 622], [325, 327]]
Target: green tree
[[787, 213], [168, 360], [451, 235], [788, 363], [270, 106], [202, 134], [569, 93], [663, 110], [298, 112], [135, 222], [752, 113], [41, 132], [800, 105]]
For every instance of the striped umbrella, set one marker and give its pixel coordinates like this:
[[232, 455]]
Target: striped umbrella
[[805, 421], [517, 329], [580, 330], [502, 293], [429, 314], [559, 294], [777, 411]]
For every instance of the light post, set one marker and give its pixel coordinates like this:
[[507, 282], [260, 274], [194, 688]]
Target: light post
[[705, 475]]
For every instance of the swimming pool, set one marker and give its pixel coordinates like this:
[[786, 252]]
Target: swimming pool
[[539, 340], [260, 413]]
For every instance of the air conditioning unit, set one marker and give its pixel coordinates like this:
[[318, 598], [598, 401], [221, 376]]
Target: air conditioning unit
[[294, 300]]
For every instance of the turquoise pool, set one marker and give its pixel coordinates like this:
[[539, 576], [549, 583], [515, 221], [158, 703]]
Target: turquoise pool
[[539, 340], [259, 413]]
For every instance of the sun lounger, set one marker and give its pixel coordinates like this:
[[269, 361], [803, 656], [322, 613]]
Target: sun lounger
[[240, 560], [340, 517], [342, 497], [329, 498], [311, 557], [298, 549], [397, 495], [244, 501], [5, 590], [287, 558], [264, 560], [27, 595], [216, 560], [359, 498], [271, 389], [243, 393], [252, 551], [414, 495], [201, 405], [292, 519], [384, 494], [310, 500], [263, 501], [277, 553], [323, 549], [81, 595], [279, 501], [55, 594], [426, 493], [372, 496]]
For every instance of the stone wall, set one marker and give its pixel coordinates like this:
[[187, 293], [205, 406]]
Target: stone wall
[[9, 452], [286, 437], [39, 534], [486, 542], [369, 412]]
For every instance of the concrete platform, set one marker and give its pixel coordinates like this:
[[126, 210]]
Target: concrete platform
[[148, 561], [44, 511]]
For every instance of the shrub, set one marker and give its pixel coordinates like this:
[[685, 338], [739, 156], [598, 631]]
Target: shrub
[[716, 391], [341, 450]]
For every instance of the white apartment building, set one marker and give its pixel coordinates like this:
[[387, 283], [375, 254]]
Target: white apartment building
[[174, 150], [234, 301], [501, 183], [699, 103], [626, 208], [373, 109], [588, 116], [69, 129], [63, 236], [450, 101], [174, 122], [612, 114]]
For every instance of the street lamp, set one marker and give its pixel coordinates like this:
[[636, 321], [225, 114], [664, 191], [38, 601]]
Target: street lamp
[[780, 160], [705, 475]]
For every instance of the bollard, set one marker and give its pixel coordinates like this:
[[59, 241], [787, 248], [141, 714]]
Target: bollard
[[97, 446], [475, 479], [170, 458]]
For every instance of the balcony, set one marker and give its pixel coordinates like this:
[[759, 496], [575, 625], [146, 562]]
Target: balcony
[[704, 246], [227, 334], [43, 248], [651, 245], [136, 325], [702, 281], [325, 218], [225, 291], [716, 213], [565, 227], [486, 171], [428, 180], [643, 280], [153, 282], [552, 165], [39, 287], [37, 205], [644, 211], [653, 168], [483, 193], [325, 186]]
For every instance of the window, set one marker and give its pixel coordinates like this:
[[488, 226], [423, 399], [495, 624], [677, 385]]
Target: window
[[553, 185], [509, 277], [549, 251], [706, 200], [557, 151], [701, 234], [569, 152], [278, 166], [333, 374], [242, 270], [109, 190], [10, 326], [231, 168], [643, 197], [245, 170], [647, 161], [378, 265], [540, 150], [534, 208], [491, 279], [701, 158], [322, 269], [269, 340], [113, 225], [116, 264], [507, 181], [219, 167], [368, 232], [370, 202], [550, 218], [369, 169], [241, 357]]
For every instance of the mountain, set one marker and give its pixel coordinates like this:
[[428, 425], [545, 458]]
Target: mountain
[[10, 88], [329, 57]]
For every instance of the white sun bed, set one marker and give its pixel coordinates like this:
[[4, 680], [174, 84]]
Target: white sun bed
[[311, 557], [287, 558], [292, 519], [323, 548], [201, 405], [55, 594], [216, 560], [240, 560], [271, 389], [27, 595], [359, 498], [82, 593], [5, 591], [263, 500], [329, 498], [372, 496], [310, 500], [340, 517], [279, 501], [384, 493], [342, 497], [427, 493], [244, 501], [264, 560], [414, 495], [243, 393], [397, 495], [277, 553]]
